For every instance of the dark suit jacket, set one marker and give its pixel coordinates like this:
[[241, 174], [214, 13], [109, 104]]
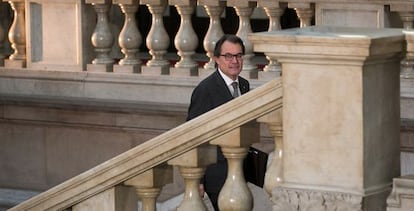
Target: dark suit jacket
[[210, 93]]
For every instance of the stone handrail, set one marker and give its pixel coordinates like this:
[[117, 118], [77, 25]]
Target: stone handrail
[[175, 142]]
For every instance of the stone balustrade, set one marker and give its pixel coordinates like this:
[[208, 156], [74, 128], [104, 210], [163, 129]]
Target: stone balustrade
[[90, 39], [95, 40]]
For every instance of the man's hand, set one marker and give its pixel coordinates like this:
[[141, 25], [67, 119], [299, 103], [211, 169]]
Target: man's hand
[[201, 190]]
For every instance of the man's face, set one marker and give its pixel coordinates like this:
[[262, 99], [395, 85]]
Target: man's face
[[231, 60]]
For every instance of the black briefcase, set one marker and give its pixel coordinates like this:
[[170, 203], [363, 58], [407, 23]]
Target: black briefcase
[[254, 166]]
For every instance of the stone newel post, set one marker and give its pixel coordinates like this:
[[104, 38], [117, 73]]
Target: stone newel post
[[341, 116]]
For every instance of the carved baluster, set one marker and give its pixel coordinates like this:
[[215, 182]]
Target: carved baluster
[[244, 10], [129, 40], [17, 35], [407, 64], [215, 31], [157, 40], [407, 17], [192, 166], [304, 11], [186, 39], [274, 173], [148, 185], [274, 12], [235, 194], [102, 39]]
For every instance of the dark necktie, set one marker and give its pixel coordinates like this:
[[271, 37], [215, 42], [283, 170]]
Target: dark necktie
[[236, 89]]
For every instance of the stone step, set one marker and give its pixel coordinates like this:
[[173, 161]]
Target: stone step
[[12, 197]]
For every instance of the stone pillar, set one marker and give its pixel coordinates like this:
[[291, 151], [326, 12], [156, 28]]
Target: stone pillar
[[17, 35], [157, 39], [235, 195], [185, 40], [148, 185], [214, 10], [102, 38], [244, 10], [192, 166], [130, 38], [341, 115]]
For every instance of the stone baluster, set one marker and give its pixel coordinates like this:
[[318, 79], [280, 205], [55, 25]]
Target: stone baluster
[[214, 10], [407, 64], [102, 38], [148, 185], [192, 166], [17, 35], [129, 39], [157, 39], [244, 10], [186, 39], [407, 17], [274, 173], [235, 194], [304, 11], [274, 11]]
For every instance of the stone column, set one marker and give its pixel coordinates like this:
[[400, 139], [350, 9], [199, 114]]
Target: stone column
[[304, 11], [214, 10], [341, 115], [235, 195], [148, 185], [274, 11], [102, 38], [274, 173], [244, 10], [406, 14], [185, 40], [192, 165], [130, 38], [157, 39], [17, 35]]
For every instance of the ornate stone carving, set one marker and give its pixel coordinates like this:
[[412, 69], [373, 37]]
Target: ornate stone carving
[[286, 199]]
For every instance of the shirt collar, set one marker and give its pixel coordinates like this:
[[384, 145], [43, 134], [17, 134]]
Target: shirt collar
[[227, 79]]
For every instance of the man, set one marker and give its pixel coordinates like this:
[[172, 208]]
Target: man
[[213, 91]]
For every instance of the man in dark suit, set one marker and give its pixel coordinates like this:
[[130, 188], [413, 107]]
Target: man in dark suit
[[218, 88]]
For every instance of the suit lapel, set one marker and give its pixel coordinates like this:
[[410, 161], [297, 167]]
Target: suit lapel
[[222, 87]]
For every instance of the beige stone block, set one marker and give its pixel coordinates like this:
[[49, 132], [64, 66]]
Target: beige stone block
[[198, 157], [211, 3], [146, 70], [351, 15], [268, 3], [127, 68], [79, 149], [113, 199], [22, 155], [98, 1], [125, 2], [183, 2], [243, 136], [241, 3], [14, 63], [99, 67], [154, 2], [183, 72], [156, 177]]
